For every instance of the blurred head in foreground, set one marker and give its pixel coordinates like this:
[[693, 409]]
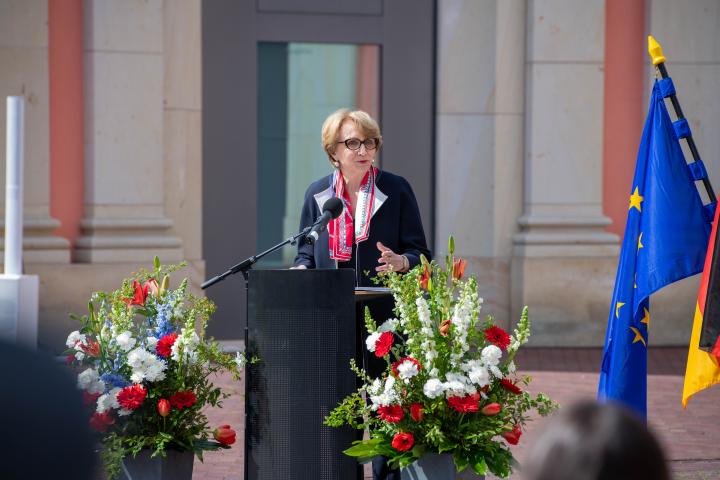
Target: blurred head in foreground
[[591, 441]]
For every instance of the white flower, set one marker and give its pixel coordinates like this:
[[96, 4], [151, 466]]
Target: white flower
[[423, 311], [151, 343], [186, 344], [387, 397], [123, 412], [389, 325], [479, 376], [511, 367], [240, 360], [458, 385], [89, 380], [491, 355], [125, 341], [145, 366], [407, 370], [108, 401], [74, 338], [371, 340], [433, 388], [375, 387]]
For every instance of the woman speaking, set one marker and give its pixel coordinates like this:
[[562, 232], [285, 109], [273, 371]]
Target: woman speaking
[[380, 227]]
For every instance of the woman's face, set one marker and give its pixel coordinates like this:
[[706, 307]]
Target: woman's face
[[353, 163]]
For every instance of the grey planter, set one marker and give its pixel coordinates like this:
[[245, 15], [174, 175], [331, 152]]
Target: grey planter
[[175, 466], [435, 466]]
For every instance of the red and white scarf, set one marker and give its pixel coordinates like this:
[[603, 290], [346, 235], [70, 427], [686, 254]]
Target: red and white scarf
[[344, 229]]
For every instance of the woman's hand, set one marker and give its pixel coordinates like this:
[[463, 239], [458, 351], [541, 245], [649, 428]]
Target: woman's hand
[[391, 261]]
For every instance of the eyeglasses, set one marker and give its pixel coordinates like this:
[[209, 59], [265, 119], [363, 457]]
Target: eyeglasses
[[354, 143]]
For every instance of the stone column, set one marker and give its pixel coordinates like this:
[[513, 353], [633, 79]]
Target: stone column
[[182, 132], [24, 71], [125, 216], [480, 138], [563, 245]]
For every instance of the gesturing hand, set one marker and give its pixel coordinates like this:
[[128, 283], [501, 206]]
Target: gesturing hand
[[390, 261]]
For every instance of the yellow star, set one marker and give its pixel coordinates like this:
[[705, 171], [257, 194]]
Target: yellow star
[[638, 336], [640, 245], [646, 318], [617, 309], [636, 200]]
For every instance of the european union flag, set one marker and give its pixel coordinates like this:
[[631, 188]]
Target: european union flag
[[665, 240]]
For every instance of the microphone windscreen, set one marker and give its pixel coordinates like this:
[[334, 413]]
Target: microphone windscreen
[[334, 205]]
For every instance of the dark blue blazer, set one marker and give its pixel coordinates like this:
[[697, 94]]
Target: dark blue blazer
[[395, 222]]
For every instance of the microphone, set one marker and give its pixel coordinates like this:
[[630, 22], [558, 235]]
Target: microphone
[[331, 209]]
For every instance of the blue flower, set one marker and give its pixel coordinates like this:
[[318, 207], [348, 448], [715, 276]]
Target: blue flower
[[114, 379]]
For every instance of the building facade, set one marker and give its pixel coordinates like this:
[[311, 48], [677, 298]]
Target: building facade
[[189, 130]]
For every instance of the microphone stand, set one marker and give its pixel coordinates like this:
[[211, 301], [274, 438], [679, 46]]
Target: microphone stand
[[247, 264]]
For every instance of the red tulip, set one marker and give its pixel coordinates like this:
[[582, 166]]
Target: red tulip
[[458, 268], [163, 407], [513, 436], [491, 409], [224, 434]]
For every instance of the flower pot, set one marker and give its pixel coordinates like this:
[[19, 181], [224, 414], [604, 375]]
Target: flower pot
[[435, 466], [175, 466]]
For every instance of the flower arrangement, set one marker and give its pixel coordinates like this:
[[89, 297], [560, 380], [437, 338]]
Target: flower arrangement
[[146, 368], [450, 385]]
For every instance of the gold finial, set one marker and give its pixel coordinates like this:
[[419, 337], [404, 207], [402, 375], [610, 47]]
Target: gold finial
[[655, 51]]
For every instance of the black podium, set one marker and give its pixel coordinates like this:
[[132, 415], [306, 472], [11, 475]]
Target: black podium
[[301, 324]]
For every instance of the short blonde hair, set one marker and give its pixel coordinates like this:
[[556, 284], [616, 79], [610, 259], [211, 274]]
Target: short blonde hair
[[330, 134]]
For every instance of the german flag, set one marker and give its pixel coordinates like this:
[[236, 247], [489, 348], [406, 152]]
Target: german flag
[[703, 367]]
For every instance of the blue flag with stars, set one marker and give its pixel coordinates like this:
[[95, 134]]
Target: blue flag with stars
[[665, 240]]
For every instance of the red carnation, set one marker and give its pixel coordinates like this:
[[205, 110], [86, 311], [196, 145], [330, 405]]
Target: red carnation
[[510, 386], [403, 441], [466, 404], [397, 364], [131, 397], [164, 345], [491, 409], [101, 421], [392, 413], [383, 344], [183, 399], [416, 412], [497, 336], [513, 436]]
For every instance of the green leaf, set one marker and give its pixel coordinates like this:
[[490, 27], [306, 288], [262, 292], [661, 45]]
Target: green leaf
[[451, 245], [365, 448], [157, 263]]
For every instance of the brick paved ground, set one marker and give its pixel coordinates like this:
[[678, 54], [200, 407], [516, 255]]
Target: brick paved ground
[[691, 438]]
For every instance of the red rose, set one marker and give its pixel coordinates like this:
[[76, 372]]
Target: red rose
[[497, 336], [101, 421], [224, 434], [510, 386], [466, 404], [491, 409], [131, 397], [392, 413], [397, 364], [458, 268], [163, 407], [513, 436], [425, 278], [183, 399], [139, 296], [164, 345], [383, 344], [403, 441], [445, 327], [416, 412]]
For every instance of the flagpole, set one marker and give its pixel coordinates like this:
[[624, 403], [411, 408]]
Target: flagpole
[[658, 59]]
